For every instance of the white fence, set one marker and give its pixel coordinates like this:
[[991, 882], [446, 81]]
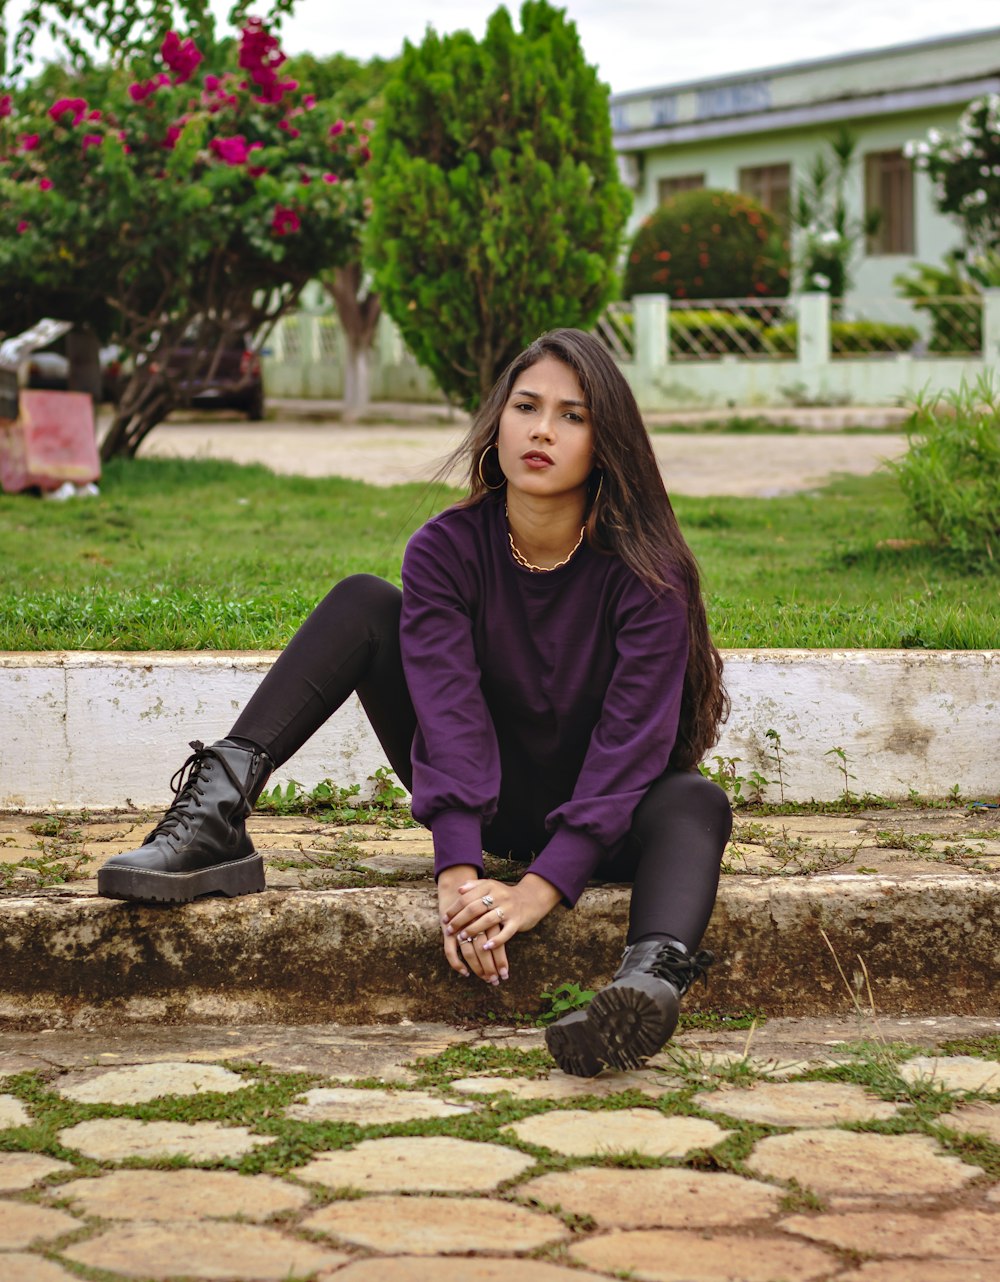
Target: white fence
[[806, 349]]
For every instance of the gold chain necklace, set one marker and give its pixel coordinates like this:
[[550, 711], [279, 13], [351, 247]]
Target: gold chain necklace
[[539, 569]]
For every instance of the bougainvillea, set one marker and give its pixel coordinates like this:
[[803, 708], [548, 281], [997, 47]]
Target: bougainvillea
[[178, 200], [708, 244], [965, 169]]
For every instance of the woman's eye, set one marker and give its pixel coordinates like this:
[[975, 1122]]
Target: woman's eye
[[524, 405]]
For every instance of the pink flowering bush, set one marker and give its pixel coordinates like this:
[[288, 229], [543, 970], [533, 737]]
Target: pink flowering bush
[[191, 192]]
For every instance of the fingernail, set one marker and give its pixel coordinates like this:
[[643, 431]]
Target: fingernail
[[504, 973], [449, 930], [464, 974], [494, 980], [488, 944]]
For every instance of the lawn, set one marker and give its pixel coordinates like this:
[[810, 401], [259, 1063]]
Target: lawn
[[180, 554]]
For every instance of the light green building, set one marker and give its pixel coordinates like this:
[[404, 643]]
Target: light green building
[[757, 131]]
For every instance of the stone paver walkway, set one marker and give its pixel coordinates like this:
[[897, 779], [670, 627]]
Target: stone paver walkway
[[799, 1151]]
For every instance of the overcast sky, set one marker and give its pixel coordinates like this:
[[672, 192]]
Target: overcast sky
[[641, 43]]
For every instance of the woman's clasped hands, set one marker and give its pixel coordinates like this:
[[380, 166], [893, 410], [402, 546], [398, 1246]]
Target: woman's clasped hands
[[480, 916]]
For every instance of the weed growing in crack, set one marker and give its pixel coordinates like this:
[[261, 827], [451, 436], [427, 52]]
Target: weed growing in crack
[[841, 757], [330, 803], [562, 1000], [778, 753]]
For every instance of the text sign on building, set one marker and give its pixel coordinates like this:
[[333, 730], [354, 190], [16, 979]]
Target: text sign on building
[[665, 109]]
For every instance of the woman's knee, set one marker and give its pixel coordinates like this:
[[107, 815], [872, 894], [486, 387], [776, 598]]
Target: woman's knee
[[367, 597], [688, 794]]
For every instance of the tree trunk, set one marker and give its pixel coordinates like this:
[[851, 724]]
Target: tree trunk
[[83, 350], [358, 314], [146, 401], [357, 384]]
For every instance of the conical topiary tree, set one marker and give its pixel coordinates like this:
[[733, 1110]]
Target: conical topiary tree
[[497, 208], [708, 244]]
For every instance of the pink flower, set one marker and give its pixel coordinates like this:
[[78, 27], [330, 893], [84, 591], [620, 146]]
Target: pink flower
[[181, 56], [171, 136], [6, 105], [233, 151], [94, 115], [289, 128], [305, 180], [212, 83], [255, 171], [309, 101], [261, 56], [77, 107], [29, 142], [22, 227], [92, 140], [46, 184], [285, 221], [336, 128], [139, 92], [330, 178]]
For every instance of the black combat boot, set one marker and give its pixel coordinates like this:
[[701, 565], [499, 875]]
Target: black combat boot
[[633, 1017], [200, 846]]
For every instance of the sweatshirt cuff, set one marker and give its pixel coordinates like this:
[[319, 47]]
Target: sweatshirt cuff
[[458, 839], [568, 862]]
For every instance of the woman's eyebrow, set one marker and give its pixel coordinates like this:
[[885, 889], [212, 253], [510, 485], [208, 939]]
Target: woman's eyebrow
[[536, 396]]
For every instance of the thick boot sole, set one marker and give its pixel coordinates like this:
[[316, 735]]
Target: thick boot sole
[[142, 885], [625, 1024], [575, 1046]]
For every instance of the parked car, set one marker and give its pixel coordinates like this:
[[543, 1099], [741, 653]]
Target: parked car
[[236, 382]]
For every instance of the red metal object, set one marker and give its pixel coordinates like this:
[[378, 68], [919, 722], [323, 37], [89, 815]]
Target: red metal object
[[51, 441]]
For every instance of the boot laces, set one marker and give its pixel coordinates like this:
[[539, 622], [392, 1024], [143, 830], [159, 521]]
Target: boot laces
[[188, 791], [682, 969]]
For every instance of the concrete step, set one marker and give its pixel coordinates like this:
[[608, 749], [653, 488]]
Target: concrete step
[[907, 900]]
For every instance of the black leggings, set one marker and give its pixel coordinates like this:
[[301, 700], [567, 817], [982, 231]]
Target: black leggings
[[350, 643]]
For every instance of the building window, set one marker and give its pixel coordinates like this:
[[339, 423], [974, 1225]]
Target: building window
[[889, 189], [770, 186], [668, 187]]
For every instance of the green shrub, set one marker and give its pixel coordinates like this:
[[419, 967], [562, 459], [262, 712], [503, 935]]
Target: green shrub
[[708, 244], [848, 338], [950, 476], [955, 326], [713, 332]]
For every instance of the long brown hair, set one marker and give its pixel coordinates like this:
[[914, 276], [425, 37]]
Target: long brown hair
[[629, 515]]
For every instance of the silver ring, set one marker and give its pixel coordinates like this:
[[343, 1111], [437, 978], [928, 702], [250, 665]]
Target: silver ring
[[488, 900]]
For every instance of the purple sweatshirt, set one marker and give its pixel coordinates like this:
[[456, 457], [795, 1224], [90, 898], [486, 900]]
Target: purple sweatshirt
[[568, 681]]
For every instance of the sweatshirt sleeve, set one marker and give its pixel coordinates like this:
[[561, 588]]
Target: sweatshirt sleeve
[[455, 757], [631, 744]]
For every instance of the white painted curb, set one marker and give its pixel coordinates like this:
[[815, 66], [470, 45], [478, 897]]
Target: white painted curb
[[99, 730]]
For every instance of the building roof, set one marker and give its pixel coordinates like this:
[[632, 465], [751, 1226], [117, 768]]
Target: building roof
[[943, 71]]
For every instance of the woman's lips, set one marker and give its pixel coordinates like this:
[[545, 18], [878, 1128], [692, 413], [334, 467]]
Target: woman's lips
[[537, 459]]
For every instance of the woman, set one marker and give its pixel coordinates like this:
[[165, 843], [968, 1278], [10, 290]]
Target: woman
[[545, 686]]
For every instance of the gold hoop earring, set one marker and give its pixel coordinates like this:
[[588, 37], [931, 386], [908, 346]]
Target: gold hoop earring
[[597, 492], [486, 484]]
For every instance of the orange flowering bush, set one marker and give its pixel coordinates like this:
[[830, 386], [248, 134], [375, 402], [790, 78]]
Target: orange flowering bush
[[708, 244]]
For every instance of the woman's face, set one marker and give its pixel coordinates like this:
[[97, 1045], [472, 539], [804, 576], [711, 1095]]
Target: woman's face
[[546, 440]]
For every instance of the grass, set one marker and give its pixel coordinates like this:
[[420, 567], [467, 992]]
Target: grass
[[203, 554]]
